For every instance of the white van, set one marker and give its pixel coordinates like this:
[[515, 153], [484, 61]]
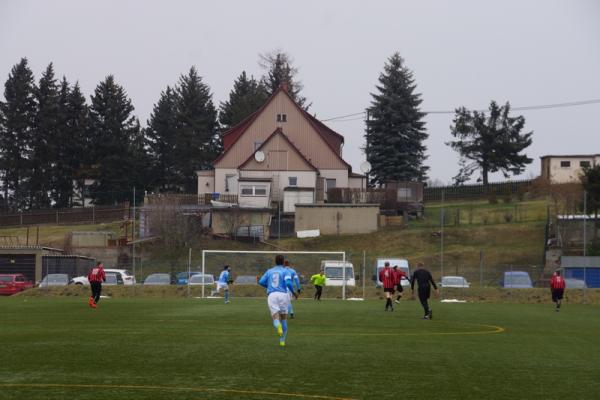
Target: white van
[[334, 273], [400, 262]]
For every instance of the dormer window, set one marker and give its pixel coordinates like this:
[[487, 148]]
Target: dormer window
[[281, 117]]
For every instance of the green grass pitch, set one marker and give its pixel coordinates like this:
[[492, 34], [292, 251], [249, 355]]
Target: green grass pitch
[[136, 348]]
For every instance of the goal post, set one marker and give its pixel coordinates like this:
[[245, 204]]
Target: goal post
[[341, 255]]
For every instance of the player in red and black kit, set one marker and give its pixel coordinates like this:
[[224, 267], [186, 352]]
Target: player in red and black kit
[[399, 275], [424, 280], [557, 287], [388, 278], [96, 277]]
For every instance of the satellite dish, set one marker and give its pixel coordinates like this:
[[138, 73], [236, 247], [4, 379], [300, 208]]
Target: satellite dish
[[259, 156], [365, 167]]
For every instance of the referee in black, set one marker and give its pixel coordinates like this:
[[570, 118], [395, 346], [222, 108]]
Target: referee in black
[[424, 280]]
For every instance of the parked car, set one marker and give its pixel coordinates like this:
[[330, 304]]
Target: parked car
[[516, 280], [246, 280], [54, 280], [571, 283], [183, 277], [126, 276], [454, 282], [199, 279], [334, 273], [114, 278], [13, 283], [400, 262], [157, 279]]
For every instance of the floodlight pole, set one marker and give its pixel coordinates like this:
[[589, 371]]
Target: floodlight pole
[[203, 258], [133, 240], [364, 272], [189, 271], [442, 244], [584, 245], [344, 276]]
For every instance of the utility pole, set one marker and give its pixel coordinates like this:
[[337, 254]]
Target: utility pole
[[133, 239], [442, 243]]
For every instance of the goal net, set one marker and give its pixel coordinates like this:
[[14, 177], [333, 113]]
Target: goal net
[[248, 266]]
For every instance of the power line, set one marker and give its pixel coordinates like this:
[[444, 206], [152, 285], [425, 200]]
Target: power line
[[344, 118]]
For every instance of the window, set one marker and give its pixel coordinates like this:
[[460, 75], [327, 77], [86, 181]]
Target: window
[[584, 164], [253, 190], [330, 183], [292, 181], [565, 164], [281, 117], [257, 144]]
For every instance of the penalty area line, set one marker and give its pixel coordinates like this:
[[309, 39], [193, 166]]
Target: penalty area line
[[166, 388]]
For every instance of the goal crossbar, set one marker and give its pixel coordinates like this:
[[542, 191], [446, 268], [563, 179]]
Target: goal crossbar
[[338, 253]]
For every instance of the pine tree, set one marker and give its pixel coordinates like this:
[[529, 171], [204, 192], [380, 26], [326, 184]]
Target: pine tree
[[489, 143], [280, 71], [246, 97], [395, 132], [73, 144], [44, 140], [198, 142], [115, 136], [16, 125], [162, 138]]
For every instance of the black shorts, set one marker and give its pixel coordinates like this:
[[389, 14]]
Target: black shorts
[[557, 294], [400, 288], [388, 289]]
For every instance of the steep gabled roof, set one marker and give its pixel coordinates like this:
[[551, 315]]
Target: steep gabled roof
[[327, 134], [275, 133]]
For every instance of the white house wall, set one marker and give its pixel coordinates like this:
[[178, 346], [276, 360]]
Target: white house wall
[[572, 173], [220, 175], [340, 176]]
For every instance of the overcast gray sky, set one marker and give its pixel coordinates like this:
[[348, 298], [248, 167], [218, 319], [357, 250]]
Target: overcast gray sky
[[462, 53]]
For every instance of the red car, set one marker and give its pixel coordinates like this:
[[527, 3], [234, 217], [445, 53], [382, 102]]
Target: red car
[[13, 283]]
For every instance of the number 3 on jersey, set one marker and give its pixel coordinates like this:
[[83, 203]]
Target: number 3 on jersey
[[275, 280]]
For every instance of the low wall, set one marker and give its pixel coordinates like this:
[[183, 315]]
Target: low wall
[[337, 219]]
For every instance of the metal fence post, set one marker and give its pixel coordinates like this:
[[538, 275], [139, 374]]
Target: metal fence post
[[56, 217]]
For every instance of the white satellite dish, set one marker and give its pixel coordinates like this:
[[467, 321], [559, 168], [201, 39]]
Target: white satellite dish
[[259, 156], [365, 167]]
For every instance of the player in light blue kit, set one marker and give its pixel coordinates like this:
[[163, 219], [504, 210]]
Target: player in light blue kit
[[223, 283], [295, 283], [278, 281]]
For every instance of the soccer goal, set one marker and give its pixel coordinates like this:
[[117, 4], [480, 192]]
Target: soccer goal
[[250, 264]]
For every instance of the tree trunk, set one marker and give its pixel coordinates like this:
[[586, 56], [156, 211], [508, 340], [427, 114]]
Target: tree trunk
[[484, 175]]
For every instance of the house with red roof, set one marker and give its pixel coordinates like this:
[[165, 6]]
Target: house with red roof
[[279, 153]]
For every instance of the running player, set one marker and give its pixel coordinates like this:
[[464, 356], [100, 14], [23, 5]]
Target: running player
[[296, 283], [388, 278], [399, 275], [557, 287], [223, 283], [278, 281], [425, 280], [96, 277]]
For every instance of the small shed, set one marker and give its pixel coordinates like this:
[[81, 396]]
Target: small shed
[[26, 260]]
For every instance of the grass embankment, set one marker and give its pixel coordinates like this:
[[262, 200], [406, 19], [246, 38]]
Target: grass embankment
[[480, 228], [53, 235], [134, 349]]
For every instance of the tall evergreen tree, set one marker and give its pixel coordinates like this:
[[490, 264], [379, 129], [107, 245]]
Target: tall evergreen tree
[[16, 125], [162, 137], [489, 143], [115, 136], [198, 142], [73, 144], [246, 97], [280, 71], [395, 132], [44, 140]]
